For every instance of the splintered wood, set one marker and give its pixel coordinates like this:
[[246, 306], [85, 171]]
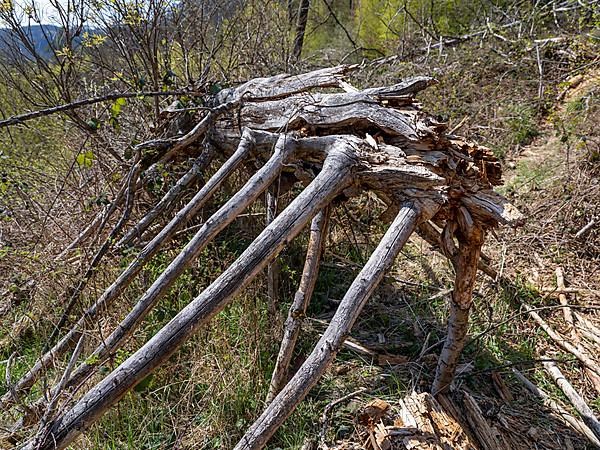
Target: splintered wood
[[415, 422], [432, 427]]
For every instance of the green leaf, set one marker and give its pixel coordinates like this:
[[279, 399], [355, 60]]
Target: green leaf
[[117, 106], [85, 159], [215, 88], [114, 122], [94, 123]]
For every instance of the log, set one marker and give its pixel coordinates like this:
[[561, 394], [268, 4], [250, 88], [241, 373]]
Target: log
[[330, 343], [429, 425], [486, 435], [318, 232], [284, 85], [576, 400], [333, 178]]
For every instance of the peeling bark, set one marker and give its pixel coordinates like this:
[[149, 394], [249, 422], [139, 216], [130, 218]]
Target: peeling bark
[[462, 297]]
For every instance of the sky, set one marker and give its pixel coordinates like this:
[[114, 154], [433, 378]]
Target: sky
[[44, 7]]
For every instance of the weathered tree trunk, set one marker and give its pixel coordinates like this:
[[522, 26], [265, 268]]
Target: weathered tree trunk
[[470, 243], [330, 343], [338, 144], [318, 234], [334, 177]]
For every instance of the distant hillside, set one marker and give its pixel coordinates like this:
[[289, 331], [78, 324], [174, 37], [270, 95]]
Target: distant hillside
[[42, 37]]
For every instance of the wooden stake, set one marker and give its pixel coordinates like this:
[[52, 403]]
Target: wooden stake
[[318, 232]]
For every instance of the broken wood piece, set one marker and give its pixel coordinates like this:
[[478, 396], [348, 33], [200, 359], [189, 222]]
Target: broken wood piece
[[486, 435], [314, 251], [576, 400], [561, 341], [585, 229], [427, 425], [567, 418], [501, 387]]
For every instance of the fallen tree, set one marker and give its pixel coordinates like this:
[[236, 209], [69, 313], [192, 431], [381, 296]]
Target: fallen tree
[[337, 144]]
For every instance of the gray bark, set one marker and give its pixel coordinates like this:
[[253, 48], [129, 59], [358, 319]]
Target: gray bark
[[334, 177], [318, 233], [587, 415], [330, 343], [257, 184]]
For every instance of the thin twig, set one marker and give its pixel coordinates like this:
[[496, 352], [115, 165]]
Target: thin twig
[[327, 410]]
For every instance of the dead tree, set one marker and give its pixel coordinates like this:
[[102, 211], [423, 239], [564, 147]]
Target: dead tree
[[336, 144]]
